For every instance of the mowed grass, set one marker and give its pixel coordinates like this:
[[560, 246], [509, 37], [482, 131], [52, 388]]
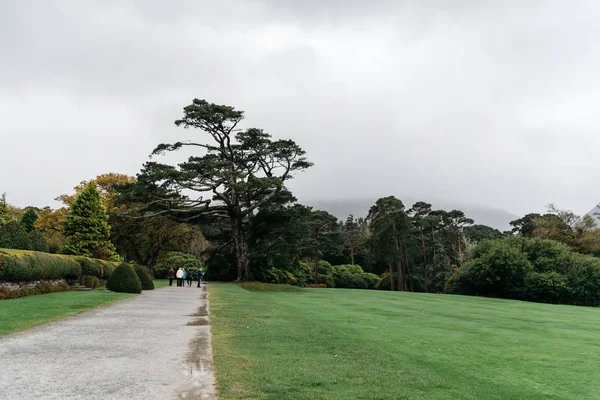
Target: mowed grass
[[26, 312], [355, 344]]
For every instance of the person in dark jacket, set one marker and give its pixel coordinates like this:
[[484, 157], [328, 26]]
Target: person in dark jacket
[[200, 275], [189, 277], [171, 275]]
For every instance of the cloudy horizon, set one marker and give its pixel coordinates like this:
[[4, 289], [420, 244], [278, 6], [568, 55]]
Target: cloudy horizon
[[484, 103]]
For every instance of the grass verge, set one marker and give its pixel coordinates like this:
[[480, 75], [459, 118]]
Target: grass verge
[[26, 312], [355, 344]]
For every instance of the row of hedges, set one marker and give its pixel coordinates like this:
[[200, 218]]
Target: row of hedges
[[529, 269], [40, 288], [129, 278], [25, 266], [339, 276]]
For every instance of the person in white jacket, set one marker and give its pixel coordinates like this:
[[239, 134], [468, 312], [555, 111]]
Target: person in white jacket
[[179, 276]]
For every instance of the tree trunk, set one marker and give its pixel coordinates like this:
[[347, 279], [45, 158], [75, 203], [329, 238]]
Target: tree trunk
[[400, 275], [316, 266], [241, 251], [433, 243], [352, 255], [424, 261], [408, 279], [459, 246], [391, 278]]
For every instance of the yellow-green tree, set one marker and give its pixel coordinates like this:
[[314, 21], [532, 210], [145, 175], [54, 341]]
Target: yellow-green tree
[[86, 227]]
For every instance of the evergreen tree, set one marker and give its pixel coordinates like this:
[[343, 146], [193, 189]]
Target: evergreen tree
[[28, 219], [86, 227], [4, 212]]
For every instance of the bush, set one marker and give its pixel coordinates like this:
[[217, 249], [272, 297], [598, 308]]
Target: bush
[[275, 275], [497, 268], [101, 269], [40, 288], [91, 282], [144, 275], [124, 280], [371, 279], [545, 287], [327, 280], [353, 269], [547, 255], [14, 236], [583, 281], [324, 268], [19, 265], [176, 260]]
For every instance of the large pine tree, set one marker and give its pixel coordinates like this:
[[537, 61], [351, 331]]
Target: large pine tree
[[86, 227]]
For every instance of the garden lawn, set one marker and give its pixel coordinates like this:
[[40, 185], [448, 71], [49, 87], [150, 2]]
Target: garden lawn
[[26, 312], [359, 344]]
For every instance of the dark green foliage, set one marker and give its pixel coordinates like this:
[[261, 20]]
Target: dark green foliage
[[547, 255], [546, 287], [498, 268], [479, 233], [175, 260], [86, 227], [37, 241], [124, 280], [529, 269], [28, 219], [144, 275], [101, 269], [327, 280], [275, 275], [19, 265], [14, 236], [4, 212], [371, 279]]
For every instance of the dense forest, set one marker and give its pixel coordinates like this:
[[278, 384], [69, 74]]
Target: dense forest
[[228, 208]]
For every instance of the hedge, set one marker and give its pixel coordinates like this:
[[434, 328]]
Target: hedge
[[124, 280], [25, 266]]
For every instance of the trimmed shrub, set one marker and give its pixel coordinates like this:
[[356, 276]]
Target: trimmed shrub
[[20, 265], [91, 281], [124, 280], [41, 288], [144, 274]]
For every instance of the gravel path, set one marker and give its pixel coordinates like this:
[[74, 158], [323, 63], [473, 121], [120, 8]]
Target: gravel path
[[153, 346]]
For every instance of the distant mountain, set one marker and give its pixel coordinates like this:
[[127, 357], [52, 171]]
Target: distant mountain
[[593, 213], [496, 218]]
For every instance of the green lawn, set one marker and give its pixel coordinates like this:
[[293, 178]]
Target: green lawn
[[355, 344], [26, 312]]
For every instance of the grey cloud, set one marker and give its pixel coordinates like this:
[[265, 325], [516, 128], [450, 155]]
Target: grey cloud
[[489, 103]]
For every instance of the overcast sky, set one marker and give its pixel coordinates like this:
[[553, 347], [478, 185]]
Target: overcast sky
[[484, 102]]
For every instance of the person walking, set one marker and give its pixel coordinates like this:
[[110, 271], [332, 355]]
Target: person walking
[[171, 275], [200, 275], [183, 278], [179, 276], [190, 277]]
